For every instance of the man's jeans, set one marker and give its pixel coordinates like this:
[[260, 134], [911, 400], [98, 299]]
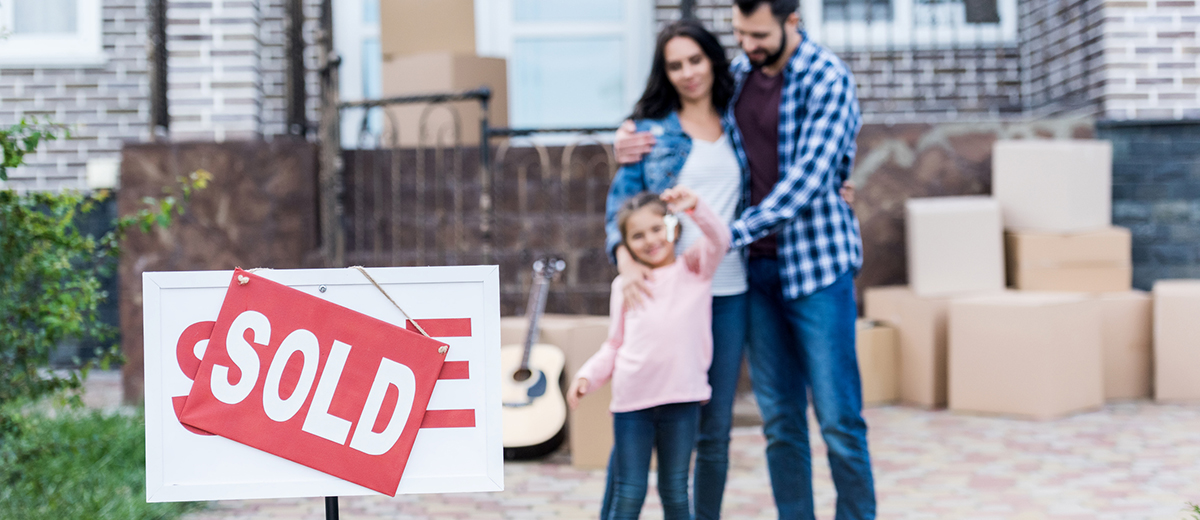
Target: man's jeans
[[798, 346], [670, 430], [716, 417]]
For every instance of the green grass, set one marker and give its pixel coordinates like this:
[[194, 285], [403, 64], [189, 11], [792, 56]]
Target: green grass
[[1194, 510], [75, 464]]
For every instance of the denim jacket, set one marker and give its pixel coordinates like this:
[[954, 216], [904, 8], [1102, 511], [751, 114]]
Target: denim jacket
[[656, 172]]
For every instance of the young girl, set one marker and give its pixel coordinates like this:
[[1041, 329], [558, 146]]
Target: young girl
[[658, 354]]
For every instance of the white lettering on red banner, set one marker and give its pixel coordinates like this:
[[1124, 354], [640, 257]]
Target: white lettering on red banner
[[294, 375]]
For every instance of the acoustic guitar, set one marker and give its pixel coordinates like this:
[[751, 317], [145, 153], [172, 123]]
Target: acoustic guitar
[[534, 412]]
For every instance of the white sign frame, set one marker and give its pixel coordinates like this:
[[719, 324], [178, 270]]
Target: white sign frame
[[180, 464]]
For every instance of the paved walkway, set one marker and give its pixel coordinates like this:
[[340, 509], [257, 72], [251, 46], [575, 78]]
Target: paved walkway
[[1126, 462]]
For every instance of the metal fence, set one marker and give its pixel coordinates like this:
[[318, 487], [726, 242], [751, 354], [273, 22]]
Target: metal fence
[[429, 181]]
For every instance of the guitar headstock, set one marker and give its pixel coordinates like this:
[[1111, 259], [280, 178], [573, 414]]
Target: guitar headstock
[[548, 267]]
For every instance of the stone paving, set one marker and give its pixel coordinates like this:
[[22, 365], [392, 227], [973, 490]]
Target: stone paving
[[1126, 462]]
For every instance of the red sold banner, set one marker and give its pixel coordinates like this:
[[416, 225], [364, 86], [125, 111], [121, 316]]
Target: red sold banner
[[314, 382]]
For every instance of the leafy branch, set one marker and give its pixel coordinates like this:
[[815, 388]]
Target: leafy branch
[[22, 139], [50, 289]]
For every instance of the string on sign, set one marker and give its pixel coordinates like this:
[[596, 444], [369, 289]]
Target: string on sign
[[386, 295]]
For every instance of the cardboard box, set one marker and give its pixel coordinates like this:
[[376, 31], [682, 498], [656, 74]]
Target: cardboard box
[[883, 303], [1060, 186], [1091, 261], [922, 354], [1126, 321], [955, 245], [920, 325], [1027, 354], [590, 430], [877, 362], [443, 124], [1177, 340], [418, 26]]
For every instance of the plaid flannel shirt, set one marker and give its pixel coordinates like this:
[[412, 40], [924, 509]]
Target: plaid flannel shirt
[[819, 119]]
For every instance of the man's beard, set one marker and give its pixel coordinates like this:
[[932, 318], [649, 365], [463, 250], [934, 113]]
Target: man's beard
[[774, 57]]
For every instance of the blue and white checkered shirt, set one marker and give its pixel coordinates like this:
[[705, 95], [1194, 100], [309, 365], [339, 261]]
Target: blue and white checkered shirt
[[818, 237]]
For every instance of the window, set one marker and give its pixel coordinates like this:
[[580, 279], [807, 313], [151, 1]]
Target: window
[[882, 24], [356, 39], [581, 63], [50, 33]]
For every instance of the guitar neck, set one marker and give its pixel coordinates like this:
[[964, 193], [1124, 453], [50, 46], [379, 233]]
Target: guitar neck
[[537, 307]]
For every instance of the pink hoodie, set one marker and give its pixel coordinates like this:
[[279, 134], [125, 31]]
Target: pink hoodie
[[660, 353]]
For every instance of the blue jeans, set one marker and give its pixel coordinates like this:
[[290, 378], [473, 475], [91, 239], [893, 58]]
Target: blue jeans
[[670, 430], [716, 417], [797, 347]]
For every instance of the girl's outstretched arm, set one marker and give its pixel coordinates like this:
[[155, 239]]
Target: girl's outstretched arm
[[706, 254]]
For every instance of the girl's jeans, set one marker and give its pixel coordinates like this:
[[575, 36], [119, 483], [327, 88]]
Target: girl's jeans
[[670, 430]]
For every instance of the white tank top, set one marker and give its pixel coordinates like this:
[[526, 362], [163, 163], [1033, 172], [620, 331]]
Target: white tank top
[[712, 171]]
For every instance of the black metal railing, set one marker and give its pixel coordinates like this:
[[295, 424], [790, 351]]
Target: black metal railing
[[418, 187]]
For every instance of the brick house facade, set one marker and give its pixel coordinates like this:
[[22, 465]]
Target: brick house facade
[[1115, 60], [1119, 60], [226, 82]]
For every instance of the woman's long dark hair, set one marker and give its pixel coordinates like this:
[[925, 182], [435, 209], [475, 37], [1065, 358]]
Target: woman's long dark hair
[[660, 97]]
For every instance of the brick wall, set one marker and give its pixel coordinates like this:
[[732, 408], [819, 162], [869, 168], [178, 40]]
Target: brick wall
[[1061, 50], [214, 74], [1156, 194], [1121, 59], [931, 85], [901, 84], [273, 64], [1152, 53], [226, 82], [104, 106]]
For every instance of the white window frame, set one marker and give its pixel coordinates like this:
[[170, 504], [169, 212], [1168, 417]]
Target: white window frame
[[84, 48], [495, 31], [902, 31]]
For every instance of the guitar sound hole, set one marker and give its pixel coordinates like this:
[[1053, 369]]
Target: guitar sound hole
[[522, 374]]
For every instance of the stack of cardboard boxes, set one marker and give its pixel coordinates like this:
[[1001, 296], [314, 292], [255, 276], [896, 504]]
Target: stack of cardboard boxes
[[429, 48], [1069, 334], [955, 248]]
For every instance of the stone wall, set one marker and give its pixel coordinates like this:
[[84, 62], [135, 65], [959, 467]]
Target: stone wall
[[259, 210], [1156, 194]]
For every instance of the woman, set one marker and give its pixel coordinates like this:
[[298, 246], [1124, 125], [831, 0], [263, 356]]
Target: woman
[[687, 93]]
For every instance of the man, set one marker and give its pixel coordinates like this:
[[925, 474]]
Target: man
[[794, 121]]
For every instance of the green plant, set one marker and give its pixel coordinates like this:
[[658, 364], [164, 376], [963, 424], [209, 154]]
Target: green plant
[[23, 138], [1194, 510], [49, 272], [72, 464]]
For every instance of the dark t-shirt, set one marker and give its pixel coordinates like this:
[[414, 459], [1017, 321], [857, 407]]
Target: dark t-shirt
[[757, 113]]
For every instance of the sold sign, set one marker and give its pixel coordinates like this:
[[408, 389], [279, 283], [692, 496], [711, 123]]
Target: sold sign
[[313, 382]]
